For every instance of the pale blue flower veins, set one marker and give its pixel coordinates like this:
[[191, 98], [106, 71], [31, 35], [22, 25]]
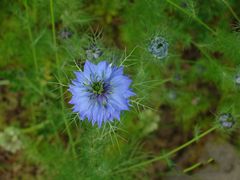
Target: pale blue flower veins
[[100, 92]]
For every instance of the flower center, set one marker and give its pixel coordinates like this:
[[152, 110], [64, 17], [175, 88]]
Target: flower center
[[160, 45], [97, 87]]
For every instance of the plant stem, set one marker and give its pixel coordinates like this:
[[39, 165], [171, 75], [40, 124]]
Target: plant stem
[[34, 54], [195, 139], [192, 16], [231, 10], [34, 128], [197, 165], [31, 38], [59, 75]]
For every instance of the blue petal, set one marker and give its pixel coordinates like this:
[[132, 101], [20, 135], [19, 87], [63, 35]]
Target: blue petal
[[101, 68], [89, 69], [108, 72], [119, 102], [117, 115], [117, 71], [80, 76], [119, 81], [129, 93], [100, 115], [76, 90]]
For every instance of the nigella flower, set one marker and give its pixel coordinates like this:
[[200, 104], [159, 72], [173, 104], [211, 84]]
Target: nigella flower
[[172, 95], [226, 120], [177, 77], [65, 33], [237, 80], [158, 47], [100, 92], [93, 52]]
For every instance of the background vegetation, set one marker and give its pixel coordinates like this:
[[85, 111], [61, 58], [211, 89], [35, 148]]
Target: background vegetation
[[179, 97]]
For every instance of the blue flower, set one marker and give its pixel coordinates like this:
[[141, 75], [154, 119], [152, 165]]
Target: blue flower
[[93, 52], [237, 80], [158, 47], [100, 93], [65, 33], [172, 95], [226, 120]]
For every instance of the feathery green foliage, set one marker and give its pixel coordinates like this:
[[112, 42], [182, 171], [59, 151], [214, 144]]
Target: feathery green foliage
[[43, 42]]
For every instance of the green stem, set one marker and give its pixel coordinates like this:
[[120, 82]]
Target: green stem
[[231, 10], [59, 75], [34, 54], [195, 139], [191, 168], [192, 16], [214, 63], [33, 49], [34, 128]]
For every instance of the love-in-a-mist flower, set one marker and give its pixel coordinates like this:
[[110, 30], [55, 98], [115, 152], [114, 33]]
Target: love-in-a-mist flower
[[93, 52], [237, 80], [226, 120], [65, 33], [158, 47], [100, 92]]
